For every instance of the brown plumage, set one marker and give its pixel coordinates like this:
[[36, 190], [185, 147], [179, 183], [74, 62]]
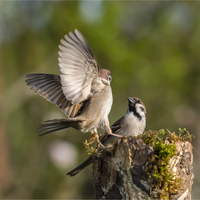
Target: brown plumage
[[49, 87], [132, 124], [82, 91]]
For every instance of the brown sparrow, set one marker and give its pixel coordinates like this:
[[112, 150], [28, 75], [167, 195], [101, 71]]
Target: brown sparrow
[[132, 124], [82, 91]]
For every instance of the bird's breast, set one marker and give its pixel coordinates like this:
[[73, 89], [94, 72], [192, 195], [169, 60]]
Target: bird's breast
[[132, 126], [97, 109]]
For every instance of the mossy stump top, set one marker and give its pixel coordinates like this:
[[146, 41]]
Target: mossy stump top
[[157, 165]]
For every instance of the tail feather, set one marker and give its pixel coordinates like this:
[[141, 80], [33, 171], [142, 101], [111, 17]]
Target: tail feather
[[50, 126], [80, 167]]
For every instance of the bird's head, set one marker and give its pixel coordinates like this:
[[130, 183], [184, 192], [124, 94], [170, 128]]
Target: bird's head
[[137, 107], [106, 76]]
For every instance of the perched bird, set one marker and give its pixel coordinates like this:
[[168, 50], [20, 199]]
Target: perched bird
[[82, 91], [132, 124]]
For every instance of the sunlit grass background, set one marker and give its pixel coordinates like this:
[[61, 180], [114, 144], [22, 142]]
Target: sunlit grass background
[[153, 52]]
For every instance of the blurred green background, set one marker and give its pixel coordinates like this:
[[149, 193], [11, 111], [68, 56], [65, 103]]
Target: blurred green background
[[153, 52]]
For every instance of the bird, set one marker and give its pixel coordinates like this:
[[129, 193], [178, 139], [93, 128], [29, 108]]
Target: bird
[[132, 124], [82, 91]]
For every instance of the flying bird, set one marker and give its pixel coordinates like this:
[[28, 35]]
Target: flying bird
[[82, 91], [132, 124]]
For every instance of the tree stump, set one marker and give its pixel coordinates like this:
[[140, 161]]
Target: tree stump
[[130, 170]]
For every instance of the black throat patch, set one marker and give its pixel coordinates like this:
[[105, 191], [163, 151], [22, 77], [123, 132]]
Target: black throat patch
[[132, 108]]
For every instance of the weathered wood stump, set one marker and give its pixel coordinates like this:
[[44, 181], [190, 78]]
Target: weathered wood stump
[[131, 170]]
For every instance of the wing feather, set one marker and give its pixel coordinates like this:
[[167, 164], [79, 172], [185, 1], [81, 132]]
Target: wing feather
[[78, 67], [49, 87], [79, 70]]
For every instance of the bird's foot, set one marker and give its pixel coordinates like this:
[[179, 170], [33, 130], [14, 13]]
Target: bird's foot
[[98, 140]]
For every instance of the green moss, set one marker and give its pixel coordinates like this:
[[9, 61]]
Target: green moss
[[162, 180], [92, 151]]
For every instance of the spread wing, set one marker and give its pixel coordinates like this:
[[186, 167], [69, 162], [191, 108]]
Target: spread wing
[[78, 67], [49, 87]]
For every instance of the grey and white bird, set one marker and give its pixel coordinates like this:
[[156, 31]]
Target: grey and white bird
[[82, 91], [132, 124]]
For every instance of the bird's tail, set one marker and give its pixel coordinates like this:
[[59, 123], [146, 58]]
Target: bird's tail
[[53, 125], [80, 167]]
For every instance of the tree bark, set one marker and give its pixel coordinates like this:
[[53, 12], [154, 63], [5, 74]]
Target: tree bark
[[120, 172]]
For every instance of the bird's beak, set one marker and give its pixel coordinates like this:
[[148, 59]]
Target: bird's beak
[[130, 99]]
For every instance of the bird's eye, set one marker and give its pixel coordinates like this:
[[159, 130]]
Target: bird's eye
[[142, 109], [110, 78]]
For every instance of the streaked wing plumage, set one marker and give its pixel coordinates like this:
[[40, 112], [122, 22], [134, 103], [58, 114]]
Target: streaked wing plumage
[[115, 128], [78, 67], [49, 87]]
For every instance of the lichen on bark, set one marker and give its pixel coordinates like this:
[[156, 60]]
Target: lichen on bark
[[155, 165]]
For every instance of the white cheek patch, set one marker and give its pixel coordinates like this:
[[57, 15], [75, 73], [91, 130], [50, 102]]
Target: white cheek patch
[[139, 111]]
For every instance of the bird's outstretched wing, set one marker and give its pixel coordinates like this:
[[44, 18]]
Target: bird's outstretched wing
[[49, 87], [79, 70], [78, 67]]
